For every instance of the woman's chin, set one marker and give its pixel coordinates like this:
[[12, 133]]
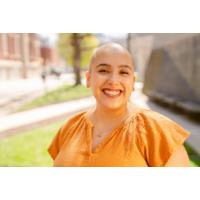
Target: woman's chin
[[112, 106]]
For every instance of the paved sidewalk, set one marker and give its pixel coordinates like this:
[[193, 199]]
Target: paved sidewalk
[[14, 93], [26, 120], [20, 122]]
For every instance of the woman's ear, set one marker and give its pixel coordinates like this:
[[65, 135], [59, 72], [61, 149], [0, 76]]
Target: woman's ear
[[134, 79], [87, 76]]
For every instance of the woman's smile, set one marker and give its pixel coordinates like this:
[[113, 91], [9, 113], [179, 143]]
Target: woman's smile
[[112, 93]]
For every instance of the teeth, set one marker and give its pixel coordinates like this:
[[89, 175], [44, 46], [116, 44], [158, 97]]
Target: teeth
[[112, 92]]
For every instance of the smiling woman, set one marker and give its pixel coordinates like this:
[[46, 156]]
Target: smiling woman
[[114, 132], [111, 78]]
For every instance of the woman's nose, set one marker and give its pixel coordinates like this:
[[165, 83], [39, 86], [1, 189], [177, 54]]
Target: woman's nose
[[112, 78]]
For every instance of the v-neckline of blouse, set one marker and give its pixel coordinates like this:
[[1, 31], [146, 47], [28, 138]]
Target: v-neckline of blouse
[[110, 134]]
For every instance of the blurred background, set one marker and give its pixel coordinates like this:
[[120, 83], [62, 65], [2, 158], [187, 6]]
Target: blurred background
[[42, 83]]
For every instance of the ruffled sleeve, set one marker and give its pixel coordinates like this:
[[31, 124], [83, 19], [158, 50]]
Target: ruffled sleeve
[[63, 134], [54, 147], [158, 137]]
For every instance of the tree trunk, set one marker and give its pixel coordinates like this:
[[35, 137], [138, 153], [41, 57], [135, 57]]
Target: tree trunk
[[76, 58]]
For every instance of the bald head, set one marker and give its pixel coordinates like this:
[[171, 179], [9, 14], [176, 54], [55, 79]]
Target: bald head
[[109, 52]]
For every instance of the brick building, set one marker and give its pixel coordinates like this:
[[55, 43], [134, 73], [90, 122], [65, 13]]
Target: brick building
[[49, 54], [19, 55]]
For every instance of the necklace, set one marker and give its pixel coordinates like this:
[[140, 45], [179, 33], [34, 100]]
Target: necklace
[[100, 133]]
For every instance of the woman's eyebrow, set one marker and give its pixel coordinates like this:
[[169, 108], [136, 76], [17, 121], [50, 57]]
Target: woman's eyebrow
[[108, 65], [125, 66], [103, 65]]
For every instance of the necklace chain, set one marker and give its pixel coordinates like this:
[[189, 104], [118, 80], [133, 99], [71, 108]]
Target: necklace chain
[[100, 133]]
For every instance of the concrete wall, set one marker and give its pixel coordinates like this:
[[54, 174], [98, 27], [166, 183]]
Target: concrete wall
[[172, 74]]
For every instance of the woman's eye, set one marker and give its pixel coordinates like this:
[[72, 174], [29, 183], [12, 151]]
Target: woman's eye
[[103, 71], [124, 72]]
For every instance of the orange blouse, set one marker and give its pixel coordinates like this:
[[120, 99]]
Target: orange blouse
[[145, 139]]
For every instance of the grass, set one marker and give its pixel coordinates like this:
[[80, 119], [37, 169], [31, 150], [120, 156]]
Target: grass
[[62, 94], [30, 148], [193, 155]]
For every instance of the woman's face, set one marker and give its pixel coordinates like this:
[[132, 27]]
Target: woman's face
[[111, 78]]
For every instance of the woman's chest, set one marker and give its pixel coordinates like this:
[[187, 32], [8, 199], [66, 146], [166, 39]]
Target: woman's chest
[[111, 151]]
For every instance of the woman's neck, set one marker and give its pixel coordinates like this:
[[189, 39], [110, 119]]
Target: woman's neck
[[108, 117]]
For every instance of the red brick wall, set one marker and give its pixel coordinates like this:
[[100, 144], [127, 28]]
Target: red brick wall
[[14, 47], [33, 40], [45, 53], [11, 47]]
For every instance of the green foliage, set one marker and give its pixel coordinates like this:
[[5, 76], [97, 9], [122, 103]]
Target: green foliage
[[29, 148], [88, 42], [65, 47], [194, 156], [64, 93]]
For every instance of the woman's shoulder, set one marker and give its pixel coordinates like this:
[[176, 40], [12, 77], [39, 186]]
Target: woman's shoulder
[[72, 122], [148, 115], [157, 136], [149, 120], [75, 118], [153, 122]]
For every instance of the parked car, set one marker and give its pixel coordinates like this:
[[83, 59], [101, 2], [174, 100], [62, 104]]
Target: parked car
[[55, 71]]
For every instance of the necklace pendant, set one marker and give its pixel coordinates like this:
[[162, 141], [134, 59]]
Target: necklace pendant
[[99, 135]]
